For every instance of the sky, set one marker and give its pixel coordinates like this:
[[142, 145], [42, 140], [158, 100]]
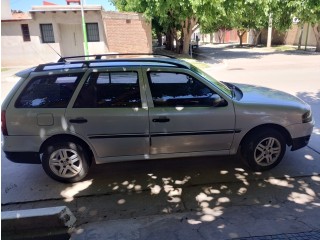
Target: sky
[[26, 5]]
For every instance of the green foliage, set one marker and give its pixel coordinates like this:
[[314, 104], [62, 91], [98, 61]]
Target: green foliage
[[282, 14], [213, 15], [306, 10]]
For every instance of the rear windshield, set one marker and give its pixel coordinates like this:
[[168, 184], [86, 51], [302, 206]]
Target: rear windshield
[[50, 91]]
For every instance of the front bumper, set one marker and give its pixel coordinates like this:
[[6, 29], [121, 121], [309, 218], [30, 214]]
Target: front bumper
[[300, 142]]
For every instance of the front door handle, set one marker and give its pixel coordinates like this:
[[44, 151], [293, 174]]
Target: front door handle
[[161, 119], [78, 120]]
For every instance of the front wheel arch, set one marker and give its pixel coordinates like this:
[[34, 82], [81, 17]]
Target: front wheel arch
[[256, 153], [283, 131]]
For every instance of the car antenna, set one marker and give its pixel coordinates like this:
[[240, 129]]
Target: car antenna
[[52, 48]]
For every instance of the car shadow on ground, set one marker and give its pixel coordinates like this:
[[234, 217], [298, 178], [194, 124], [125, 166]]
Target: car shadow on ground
[[208, 192]]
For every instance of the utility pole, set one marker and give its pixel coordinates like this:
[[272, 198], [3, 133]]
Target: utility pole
[[269, 31], [84, 30]]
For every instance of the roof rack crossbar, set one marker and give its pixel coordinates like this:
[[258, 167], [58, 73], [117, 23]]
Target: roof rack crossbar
[[99, 56], [131, 60], [86, 63]]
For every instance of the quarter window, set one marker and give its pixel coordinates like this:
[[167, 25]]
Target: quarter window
[[47, 33], [25, 32], [178, 89], [53, 91], [93, 32], [110, 90]]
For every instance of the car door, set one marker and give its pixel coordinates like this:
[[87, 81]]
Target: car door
[[108, 111], [182, 115]]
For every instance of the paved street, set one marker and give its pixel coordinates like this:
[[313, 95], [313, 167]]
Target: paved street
[[193, 198], [297, 73]]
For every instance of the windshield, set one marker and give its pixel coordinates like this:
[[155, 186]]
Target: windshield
[[224, 88]]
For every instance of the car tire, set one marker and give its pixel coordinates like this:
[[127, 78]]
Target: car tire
[[66, 162], [264, 149]]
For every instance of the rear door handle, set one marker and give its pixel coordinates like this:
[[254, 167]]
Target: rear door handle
[[161, 119], [78, 120]]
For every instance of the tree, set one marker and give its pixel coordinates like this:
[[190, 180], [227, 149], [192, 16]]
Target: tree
[[173, 16], [308, 11], [250, 14], [242, 15], [220, 24]]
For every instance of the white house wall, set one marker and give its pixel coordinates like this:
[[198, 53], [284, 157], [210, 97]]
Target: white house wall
[[74, 18], [16, 52]]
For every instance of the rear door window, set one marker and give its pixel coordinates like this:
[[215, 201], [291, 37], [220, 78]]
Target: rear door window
[[110, 90], [50, 91]]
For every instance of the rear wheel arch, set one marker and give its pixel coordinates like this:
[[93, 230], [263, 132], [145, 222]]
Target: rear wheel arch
[[65, 138]]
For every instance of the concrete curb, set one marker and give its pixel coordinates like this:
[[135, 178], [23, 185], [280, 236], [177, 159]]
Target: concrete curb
[[41, 223]]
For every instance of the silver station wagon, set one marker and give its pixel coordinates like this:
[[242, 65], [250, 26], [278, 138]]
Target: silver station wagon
[[66, 115]]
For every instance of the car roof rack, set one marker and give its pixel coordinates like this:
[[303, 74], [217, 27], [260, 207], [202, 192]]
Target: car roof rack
[[99, 56], [64, 64]]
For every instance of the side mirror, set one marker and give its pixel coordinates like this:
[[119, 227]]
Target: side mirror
[[217, 101]]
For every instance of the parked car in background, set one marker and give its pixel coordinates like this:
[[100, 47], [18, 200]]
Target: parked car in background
[[66, 115]]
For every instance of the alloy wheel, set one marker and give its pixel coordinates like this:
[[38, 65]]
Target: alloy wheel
[[65, 163], [267, 151]]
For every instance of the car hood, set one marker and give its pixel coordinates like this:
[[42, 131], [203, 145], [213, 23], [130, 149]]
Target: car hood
[[268, 96]]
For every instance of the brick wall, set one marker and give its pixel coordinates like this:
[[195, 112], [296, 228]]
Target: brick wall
[[127, 33]]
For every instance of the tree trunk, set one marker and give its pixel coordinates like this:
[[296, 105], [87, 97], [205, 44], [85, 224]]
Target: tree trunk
[[159, 37], [300, 38], [240, 35], [170, 39], [256, 34], [186, 43], [316, 30], [179, 45], [220, 36], [223, 34], [187, 26], [211, 37]]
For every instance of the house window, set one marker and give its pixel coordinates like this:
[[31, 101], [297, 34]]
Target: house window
[[25, 32], [47, 33], [92, 32]]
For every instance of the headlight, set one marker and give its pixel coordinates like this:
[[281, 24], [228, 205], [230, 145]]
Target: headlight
[[307, 117]]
